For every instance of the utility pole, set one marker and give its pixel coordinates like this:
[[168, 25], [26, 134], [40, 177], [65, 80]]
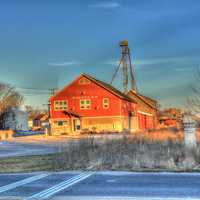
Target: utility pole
[[127, 68], [52, 92]]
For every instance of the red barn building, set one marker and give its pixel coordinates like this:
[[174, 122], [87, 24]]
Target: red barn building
[[91, 104], [88, 103]]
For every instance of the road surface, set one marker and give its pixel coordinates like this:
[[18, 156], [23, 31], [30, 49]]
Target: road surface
[[10, 149], [34, 145], [100, 186]]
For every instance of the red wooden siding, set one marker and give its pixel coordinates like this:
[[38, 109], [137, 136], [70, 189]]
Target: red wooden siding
[[145, 121], [76, 91]]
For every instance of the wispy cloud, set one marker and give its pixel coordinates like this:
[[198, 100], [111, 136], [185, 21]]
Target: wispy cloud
[[69, 63], [183, 69], [105, 5], [155, 61], [158, 61]]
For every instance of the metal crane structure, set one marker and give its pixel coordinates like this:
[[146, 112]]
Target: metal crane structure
[[125, 64]]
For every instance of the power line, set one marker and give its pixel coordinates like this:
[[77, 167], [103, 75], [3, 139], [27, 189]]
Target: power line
[[37, 89], [26, 91]]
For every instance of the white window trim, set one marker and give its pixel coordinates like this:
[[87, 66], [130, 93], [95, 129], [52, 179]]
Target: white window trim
[[108, 103], [85, 104], [56, 107], [56, 123]]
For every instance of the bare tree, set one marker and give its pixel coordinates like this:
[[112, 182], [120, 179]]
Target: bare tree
[[9, 97]]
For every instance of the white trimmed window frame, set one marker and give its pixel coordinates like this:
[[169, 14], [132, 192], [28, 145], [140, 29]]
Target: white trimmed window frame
[[106, 103], [61, 123], [85, 104], [60, 105]]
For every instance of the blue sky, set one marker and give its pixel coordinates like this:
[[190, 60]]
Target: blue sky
[[46, 44]]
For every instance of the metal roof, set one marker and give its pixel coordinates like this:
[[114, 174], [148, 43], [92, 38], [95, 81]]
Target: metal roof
[[109, 88]]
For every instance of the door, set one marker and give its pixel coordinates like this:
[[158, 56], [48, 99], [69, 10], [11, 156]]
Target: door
[[77, 125]]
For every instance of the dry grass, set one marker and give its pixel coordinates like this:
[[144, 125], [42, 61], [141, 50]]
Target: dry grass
[[27, 163], [161, 150], [127, 153], [163, 134]]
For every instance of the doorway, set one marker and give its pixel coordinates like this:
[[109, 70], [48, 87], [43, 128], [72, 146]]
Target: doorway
[[77, 125]]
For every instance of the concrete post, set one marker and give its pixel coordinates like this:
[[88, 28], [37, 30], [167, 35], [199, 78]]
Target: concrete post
[[189, 132], [190, 142]]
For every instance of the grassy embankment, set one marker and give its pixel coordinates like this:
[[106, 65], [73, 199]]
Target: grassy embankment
[[130, 153]]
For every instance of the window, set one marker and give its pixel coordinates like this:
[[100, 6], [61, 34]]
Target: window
[[60, 105], [65, 123], [84, 81], [61, 123], [85, 104], [106, 103]]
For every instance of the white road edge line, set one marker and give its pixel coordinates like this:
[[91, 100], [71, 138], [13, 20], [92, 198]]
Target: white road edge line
[[61, 186], [21, 182], [123, 198]]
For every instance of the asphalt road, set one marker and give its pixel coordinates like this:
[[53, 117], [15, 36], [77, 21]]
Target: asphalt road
[[100, 186], [10, 149]]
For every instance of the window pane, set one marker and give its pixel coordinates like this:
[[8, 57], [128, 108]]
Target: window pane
[[85, 104], [105, 102], [60, 105], [60, 123], [65, 122]]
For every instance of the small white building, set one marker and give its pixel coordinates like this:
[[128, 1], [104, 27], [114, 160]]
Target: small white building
[[15, 119]]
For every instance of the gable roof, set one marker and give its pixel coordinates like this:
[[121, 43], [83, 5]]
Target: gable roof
[[41, 116], [104, 85], [109, 88], [147, 100]]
